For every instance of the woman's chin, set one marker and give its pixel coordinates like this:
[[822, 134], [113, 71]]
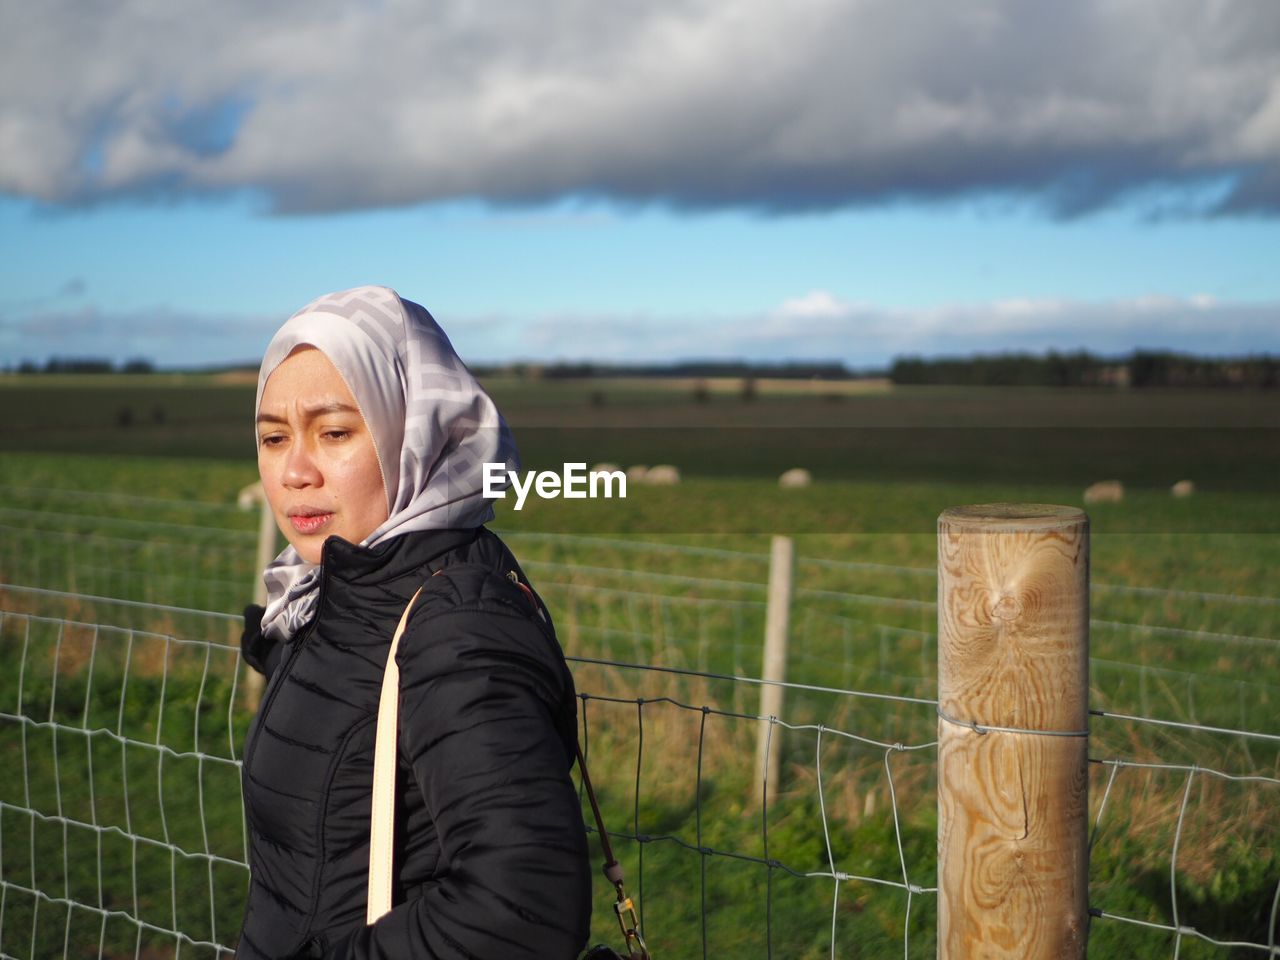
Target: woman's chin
[[309, 548]]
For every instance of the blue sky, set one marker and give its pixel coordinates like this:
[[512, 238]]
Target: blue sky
[[1058, 181]]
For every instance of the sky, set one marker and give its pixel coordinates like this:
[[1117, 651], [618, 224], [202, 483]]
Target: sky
[[644, 180]]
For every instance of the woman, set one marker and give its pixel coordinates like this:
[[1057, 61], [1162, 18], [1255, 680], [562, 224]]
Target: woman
[[372, 436]]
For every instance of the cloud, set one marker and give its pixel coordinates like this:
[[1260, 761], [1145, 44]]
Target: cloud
[[73, 288], [818, 325], [168, 336], [813, 305], [326, 105], [822, 326]]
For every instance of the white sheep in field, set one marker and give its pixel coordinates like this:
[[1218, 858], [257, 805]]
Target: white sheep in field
[[1183, 489], [1104, 491], [663, 475], [794, 478]]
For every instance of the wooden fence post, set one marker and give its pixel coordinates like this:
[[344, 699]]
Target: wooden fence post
[[268, 533], [782, 556], [1013, 668]]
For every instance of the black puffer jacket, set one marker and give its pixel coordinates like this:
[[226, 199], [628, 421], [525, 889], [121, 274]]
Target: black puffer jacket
[[491, 857]]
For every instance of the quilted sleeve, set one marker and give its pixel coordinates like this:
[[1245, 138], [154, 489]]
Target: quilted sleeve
[[481, 692]]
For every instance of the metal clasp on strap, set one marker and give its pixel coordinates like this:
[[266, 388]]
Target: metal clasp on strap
[[528, 594], [628, 922]]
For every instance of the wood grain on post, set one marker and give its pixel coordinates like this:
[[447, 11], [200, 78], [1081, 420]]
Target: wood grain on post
[[1013, 652]]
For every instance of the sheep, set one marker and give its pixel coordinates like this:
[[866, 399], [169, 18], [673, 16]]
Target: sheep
[[796, 477], [663, 475], [1104, 491]]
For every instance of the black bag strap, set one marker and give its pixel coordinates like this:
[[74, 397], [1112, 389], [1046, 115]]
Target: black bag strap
[[625, 909], [628, 921]]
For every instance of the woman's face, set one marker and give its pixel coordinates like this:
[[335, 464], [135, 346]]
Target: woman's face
[[316, 457]]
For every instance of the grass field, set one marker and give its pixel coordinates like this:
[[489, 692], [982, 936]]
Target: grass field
[[677, 581], [1224, 440]]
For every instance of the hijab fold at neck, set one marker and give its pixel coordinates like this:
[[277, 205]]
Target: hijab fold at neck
[[433, 426]]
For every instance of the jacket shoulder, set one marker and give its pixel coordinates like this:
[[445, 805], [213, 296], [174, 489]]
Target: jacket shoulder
[[479, 613], [475, 586]]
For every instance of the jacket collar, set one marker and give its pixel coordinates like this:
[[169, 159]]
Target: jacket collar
[[363, 590], [411, 554]]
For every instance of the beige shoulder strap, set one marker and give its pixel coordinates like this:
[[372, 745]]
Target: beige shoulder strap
[[382, 825]]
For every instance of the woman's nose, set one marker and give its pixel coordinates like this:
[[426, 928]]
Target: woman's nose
[[300, 467]]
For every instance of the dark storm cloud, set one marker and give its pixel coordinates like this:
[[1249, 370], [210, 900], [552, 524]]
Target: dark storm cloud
[[327, 105]]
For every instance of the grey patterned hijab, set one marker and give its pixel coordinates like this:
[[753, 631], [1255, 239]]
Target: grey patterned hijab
[[433, 426]]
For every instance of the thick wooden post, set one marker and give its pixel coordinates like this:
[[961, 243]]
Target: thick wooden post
[[1013, 658], [782, 558]]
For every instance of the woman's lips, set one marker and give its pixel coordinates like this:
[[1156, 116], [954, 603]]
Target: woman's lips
[[309, 522]]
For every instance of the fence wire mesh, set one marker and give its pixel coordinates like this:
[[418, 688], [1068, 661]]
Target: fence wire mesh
[[121, 832], [120, 827]]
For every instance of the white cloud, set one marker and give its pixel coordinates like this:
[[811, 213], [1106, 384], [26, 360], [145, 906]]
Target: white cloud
[[818, 303], [863, 335], [168, 336], [819, 325], [326, 104], [1025, 308]]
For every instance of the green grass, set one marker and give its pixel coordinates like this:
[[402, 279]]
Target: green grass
[[116, 719], [1224, 440], [1179, 657]]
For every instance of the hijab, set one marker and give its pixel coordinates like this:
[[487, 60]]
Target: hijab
[[432, 424]]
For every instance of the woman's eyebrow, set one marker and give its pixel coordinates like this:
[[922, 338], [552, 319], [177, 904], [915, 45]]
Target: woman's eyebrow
[[318, 410], [335, 406]]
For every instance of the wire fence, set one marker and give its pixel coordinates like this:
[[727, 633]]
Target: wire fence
[[172, 565], [121, 830], [120, 824]]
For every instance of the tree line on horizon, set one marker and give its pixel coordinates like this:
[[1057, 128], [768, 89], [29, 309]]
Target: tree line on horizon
[[1142, 368], [84, 365]]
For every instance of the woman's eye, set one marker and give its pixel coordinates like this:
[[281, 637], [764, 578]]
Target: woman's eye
[[271, 440], [337, 434]]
